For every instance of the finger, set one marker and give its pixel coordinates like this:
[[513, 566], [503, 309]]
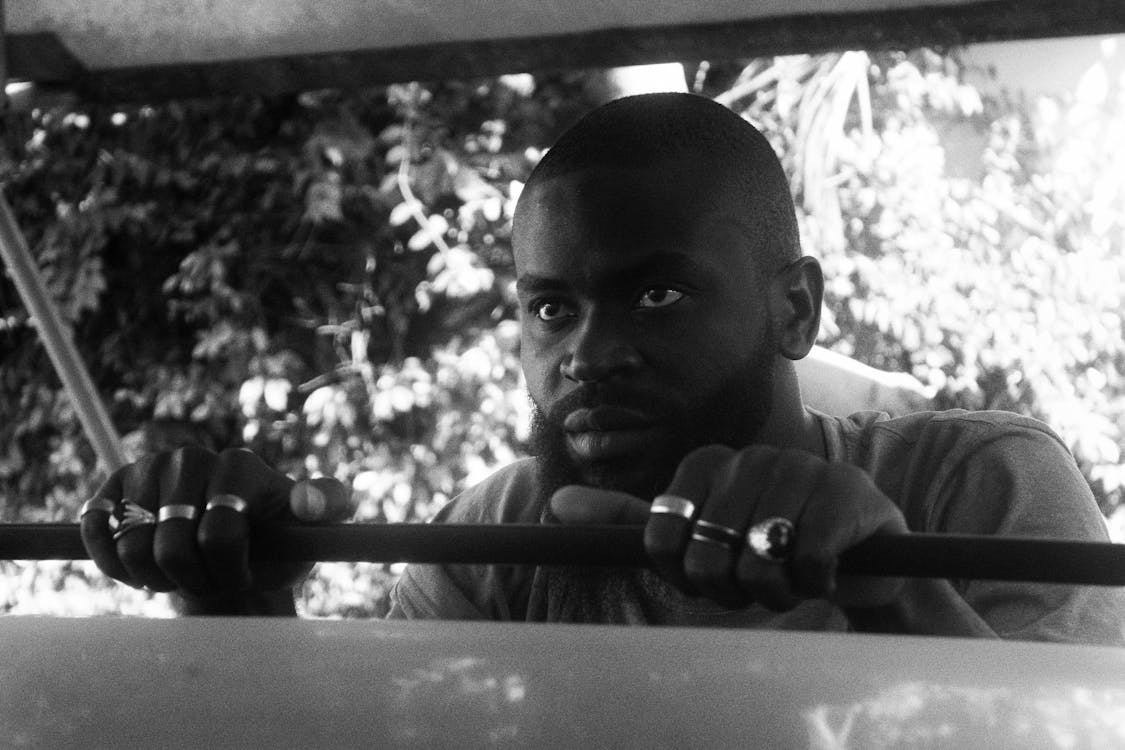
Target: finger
[[97, 536], [667, 533], [792, 479], [142, 484], [242, 488], [580, 504], [174, 543], [322, 499], [846, 508], [716, 540], [224, 541]]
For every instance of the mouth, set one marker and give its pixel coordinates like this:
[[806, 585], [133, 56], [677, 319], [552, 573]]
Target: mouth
[[605, 433]]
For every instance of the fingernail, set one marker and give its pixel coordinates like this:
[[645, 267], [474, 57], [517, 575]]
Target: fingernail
[[307, 502], [318, 499]]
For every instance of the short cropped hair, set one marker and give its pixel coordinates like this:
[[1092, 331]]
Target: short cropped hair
[[637, 131]]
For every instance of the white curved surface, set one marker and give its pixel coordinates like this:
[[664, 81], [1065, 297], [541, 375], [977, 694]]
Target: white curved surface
[[123, 33], [214, 682], [839, 385]]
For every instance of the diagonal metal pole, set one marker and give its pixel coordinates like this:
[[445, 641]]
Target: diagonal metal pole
[[53, 331], [59, 342]]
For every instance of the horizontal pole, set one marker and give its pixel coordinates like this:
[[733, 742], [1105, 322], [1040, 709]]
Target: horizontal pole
[[910, 555]]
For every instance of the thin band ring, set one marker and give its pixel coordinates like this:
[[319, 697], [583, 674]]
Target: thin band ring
[[673, 505], [713, 533], [771, 539], [103, 504], [233, 502], [166, 512]]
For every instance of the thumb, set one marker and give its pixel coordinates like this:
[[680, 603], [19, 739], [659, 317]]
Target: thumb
[[321, 499], [577, 504]]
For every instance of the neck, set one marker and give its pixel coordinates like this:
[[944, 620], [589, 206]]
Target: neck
[[790, 425]]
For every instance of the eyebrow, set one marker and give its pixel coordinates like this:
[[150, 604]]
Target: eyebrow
[[670, 263], [532, 283]]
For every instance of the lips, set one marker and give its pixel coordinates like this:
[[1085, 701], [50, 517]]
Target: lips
[[606, 432]]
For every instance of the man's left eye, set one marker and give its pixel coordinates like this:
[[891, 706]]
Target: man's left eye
[[659, 296]]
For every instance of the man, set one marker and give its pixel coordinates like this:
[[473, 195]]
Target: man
[[664, 299]]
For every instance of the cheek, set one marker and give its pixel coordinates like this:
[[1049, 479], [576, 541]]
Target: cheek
[[540, 371], [714, 355]]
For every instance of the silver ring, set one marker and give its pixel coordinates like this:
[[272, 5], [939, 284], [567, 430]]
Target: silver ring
[[771, 539], [128, 516], [713, 533], [233, 502], [673, 505], [104, 504], [188, 512]]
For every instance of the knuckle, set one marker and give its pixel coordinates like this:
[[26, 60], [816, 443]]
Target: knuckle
[[227, 453], [707, 455], [189, 456], [151, 464], [111, 487], [746, 461], [234, 457]]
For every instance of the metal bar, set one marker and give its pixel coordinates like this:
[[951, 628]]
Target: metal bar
[[3, 59], [912, 555], [57, 339]]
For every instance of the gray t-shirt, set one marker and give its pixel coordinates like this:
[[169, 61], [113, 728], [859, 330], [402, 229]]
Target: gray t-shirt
[[952, 472]]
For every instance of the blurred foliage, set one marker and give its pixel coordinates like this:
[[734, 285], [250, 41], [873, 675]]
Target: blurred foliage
[[326, 278], [977, 243]]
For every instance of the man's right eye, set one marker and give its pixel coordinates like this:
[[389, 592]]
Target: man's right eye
[[552, 310]]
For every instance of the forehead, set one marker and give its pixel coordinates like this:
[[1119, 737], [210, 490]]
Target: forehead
[[595, 218]]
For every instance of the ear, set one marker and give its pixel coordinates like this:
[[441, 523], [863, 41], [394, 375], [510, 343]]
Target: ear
[[797, 294]]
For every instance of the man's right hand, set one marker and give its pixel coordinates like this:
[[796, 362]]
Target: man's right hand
[[180, 522]]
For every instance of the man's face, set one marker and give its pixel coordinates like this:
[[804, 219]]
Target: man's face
[[645, 324]]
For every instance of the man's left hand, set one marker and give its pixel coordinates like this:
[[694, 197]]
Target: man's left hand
[[718, 495]]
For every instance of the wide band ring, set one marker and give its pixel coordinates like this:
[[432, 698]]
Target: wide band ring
[[103, 504], [166, 512], [714, 533], [771, 539], [233, 502], [128, 516], [673, 505]]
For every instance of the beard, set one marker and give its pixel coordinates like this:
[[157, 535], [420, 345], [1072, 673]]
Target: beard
[[731, 414]]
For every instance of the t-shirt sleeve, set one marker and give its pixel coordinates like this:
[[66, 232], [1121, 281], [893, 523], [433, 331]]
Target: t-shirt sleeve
[[1020, 481], [475, 592]]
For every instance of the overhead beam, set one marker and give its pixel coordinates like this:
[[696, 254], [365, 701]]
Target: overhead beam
[[41, 57], [903, 27]]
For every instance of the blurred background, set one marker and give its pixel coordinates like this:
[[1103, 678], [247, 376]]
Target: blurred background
[[326, 277]]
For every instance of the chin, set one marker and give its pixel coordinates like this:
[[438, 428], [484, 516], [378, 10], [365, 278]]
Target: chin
[[625, 475]]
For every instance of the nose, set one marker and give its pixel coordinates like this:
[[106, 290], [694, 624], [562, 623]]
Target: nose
[[600, 349]]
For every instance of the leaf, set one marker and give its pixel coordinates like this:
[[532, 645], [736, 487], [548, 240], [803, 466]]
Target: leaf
[[436, 226], [404, 212]]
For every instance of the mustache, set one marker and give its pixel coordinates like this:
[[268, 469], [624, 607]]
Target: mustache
[[592, 395]]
